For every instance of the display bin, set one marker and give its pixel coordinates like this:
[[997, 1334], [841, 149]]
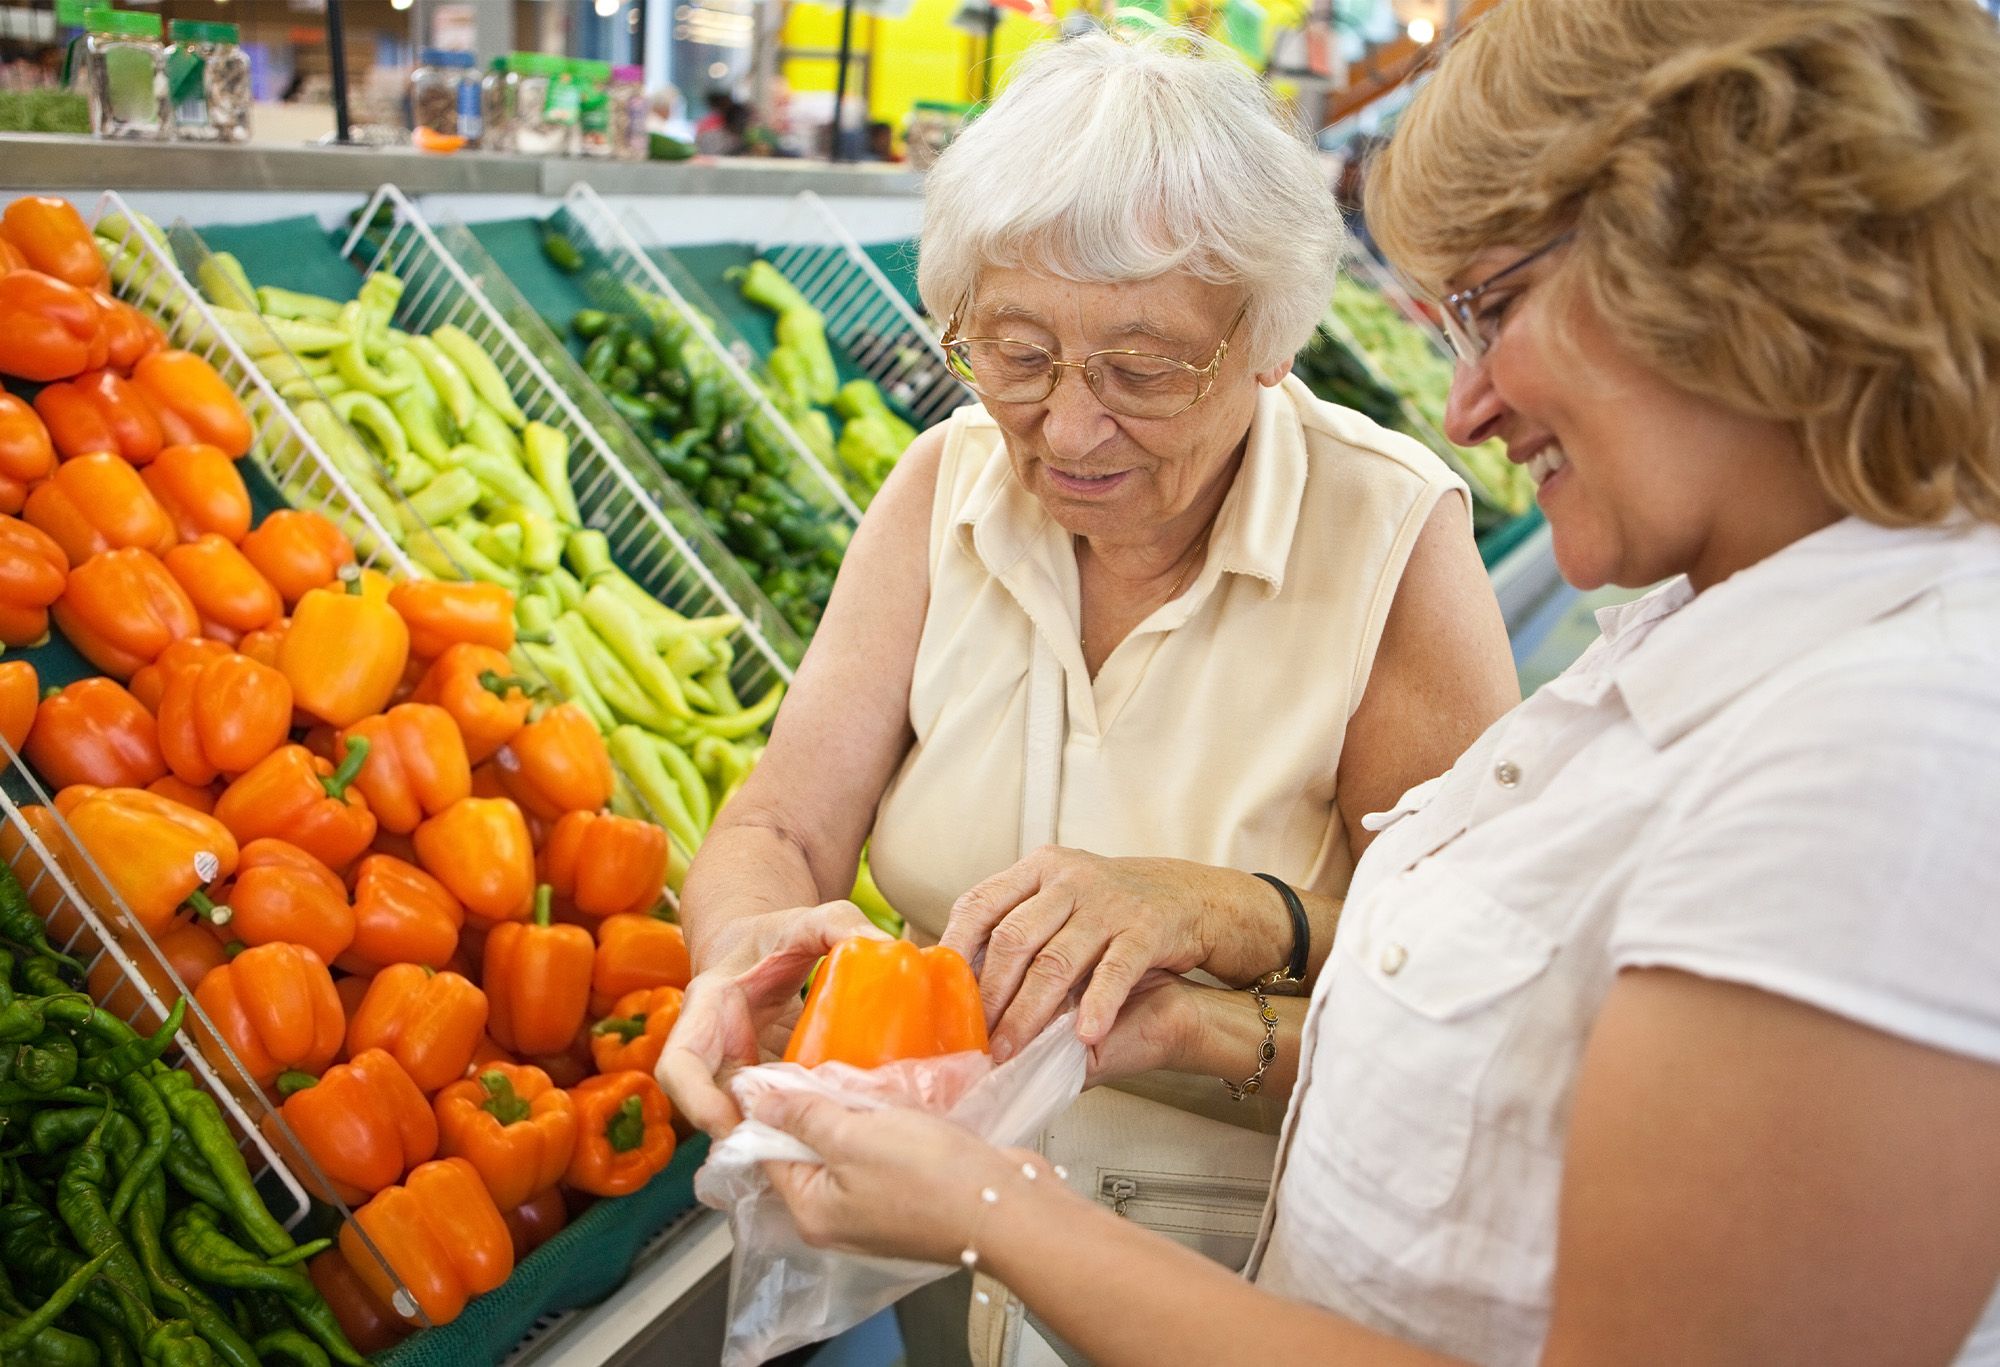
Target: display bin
[[866, 315]]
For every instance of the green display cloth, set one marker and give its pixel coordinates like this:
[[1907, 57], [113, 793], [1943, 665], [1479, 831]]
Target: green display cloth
[[515, 244], [580, 1266], [297, 253]]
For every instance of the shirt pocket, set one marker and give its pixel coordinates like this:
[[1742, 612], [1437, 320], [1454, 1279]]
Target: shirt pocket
[[1432, 979]]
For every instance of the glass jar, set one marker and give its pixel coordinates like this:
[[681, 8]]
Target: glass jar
[[125, 74], [435, 88], [498, 92], [593, 80], [546, 107], [630, 111], [208, 81]]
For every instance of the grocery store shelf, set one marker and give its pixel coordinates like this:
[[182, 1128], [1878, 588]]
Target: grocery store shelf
[[669, 1310], [47, 162]]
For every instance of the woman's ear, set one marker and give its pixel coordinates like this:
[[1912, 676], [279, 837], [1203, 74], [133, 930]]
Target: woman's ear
[[1275, 374]]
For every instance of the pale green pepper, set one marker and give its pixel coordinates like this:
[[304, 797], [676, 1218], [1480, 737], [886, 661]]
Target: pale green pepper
[[625, 634], [479, 369], [290, 304], [546, 451], [370, 418], [505, 481], [350, 358], [223, 281], [448, 497], [454, 391], [633, 751]]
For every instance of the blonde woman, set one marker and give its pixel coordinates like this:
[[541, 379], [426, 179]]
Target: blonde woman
[[1665, 1027]]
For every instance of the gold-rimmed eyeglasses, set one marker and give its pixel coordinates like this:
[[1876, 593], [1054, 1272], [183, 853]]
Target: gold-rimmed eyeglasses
[[1134, 384]]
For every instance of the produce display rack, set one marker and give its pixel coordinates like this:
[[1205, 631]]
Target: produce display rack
[[656, 535], [866, 315], [620, 261]]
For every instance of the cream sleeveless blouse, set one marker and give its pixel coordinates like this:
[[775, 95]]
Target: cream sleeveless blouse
[[1213, 732]]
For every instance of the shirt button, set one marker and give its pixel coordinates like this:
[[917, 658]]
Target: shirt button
[[1393, 959], [1507, 773]]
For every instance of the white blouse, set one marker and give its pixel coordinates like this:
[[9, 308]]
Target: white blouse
[[1791, 781]]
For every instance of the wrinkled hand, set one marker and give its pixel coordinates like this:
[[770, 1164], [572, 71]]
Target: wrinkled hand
[[1059, 917], [1152, 1030], [727, 1015], [895, 1183]]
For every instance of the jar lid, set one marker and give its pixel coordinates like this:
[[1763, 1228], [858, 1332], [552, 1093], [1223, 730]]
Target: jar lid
[[188, 31], [122, 23], [224, 33], [629, 75], [448, 58], [584, 69]]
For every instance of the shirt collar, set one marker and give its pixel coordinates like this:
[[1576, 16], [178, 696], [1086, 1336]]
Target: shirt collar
[[1705, 649], [1000, 522]]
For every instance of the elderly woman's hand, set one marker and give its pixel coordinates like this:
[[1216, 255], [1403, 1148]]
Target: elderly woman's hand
[[728, 1016], [894, 1182], [1060, 918]]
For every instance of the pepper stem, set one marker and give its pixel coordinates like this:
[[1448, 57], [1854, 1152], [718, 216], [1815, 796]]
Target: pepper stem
[[500, 685], [350, 576], [627, 1028], [208, 909], [545, 897], [502, 1102], [626, 1129], [293, 1080], [337, 783]]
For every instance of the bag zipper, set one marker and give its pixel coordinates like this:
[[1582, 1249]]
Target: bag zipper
[[1119, 1190]]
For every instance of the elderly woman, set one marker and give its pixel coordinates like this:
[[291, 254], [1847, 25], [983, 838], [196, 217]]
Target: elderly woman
[[1148, 622], [1665, 1027]]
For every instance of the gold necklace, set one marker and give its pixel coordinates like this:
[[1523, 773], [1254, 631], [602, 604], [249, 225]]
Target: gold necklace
[[1173, 592]]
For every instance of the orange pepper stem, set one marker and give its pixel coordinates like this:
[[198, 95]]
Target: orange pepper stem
[[501, 685], [336, 783], [545, 900], [350, 575], [627, 1028], [626, 1130], [51, 692], [293, 1080], [502, 1102], [208, 909]]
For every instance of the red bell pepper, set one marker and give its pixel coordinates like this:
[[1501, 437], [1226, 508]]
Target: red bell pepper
[[101, 410]]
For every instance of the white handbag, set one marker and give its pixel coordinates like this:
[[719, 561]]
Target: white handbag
[[1160, 1150]]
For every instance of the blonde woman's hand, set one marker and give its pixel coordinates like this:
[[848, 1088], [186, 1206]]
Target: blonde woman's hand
[[1062, 921], [730, 1019]]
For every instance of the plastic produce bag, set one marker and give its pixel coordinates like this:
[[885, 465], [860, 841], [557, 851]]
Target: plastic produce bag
[[783, 1293]]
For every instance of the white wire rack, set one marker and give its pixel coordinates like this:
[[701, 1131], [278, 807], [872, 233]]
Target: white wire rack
[[656, 535], [866, 315], [619, 261]]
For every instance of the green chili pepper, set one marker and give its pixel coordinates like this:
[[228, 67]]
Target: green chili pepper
[[289, 304], [350, 358], [20, 922], [629, 699], [80, 1203], [569, 674], [479, 370], [133, 1052], [633, 752], [46, 1064], [447, 497], [625, 634], [190, 1171], [600, 357], [195, 1112], [547, 452], [292, 1346], [157, 1127], [223, 281], [17, 1336], [561, 252], [203, 1249], [454, 390], [590, 323]]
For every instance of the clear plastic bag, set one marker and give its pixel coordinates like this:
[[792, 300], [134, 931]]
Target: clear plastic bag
[[782, 1293]]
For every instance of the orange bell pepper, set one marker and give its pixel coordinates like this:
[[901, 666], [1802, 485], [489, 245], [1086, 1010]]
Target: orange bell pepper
[[479, 848], [45, 894], [52, 237], [198, 796], [95, 732], [122, 608], [154, 854], [33, 574], [363, 1122], [604, 864], [439, 1232], [264, 644], [430, 1021], [416, 765], [225, 588], [535, 1222], [20, 699], [345, 650], [625, 1133], [10, 258], [442, 615], [402, 915], [191, 950], [516, 1128], [100, 410], [369, 1324], [299, 798], [188, 387], [149, 685], [557, 763], [49, 329], [298, 552], [27, 456], [222, 717], [876, 1001], [569, 1066], [96, 503], [537, 981], [477, 686], [129, 335], [200, 492], [634, 1035], [281, 893], [636, 953], [275, 1007]]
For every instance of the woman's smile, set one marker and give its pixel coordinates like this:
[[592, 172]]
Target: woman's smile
[[1086, 486]]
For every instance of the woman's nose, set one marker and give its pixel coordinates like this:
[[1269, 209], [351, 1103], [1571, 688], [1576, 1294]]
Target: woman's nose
[[1075, 421], [1475, 408]]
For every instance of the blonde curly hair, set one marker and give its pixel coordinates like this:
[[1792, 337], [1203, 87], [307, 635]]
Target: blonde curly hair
[[1791, 207]]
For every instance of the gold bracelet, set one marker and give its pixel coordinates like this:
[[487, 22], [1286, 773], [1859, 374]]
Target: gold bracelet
[[990, 1196], [1269, 1049]]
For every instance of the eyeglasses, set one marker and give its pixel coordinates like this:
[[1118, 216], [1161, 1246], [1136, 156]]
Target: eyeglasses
[[1134, 384], [1471, 331]]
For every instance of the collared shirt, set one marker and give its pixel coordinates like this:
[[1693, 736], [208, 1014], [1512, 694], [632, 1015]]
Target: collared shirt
[[1790, 781], [1213, 732]]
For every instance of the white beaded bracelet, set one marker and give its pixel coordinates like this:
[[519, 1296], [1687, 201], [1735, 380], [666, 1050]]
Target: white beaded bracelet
[[990, 1196]]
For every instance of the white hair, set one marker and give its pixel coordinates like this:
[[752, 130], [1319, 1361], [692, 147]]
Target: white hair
[[1124, 157]]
